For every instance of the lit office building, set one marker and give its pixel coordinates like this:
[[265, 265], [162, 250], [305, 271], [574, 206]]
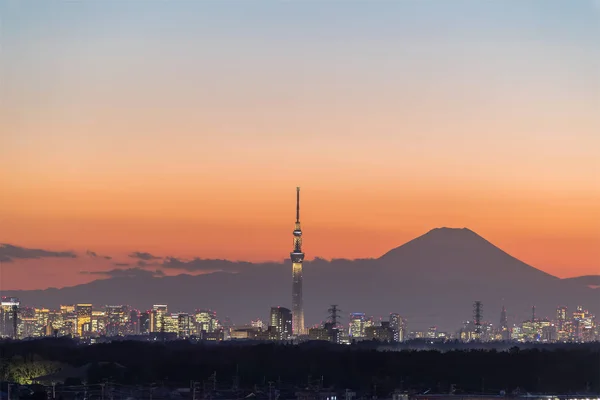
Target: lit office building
[[206, 321], [84, 316], [42, 316], [185, 325], [157, 317], [68, 323], [281, 322], [26, 323], [584, 327], [172, 323], [398, 325], [116, 319], [98, 323], [382, 332], [357, 326], [432, 332], [319, 333], [516, 334], [9, 317], [561, 315], [55, 323]]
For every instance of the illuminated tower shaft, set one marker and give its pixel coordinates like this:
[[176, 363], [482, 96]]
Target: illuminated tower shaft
[[297, 257]]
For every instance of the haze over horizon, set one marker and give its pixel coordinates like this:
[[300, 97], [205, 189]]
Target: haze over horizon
[[181, 129]]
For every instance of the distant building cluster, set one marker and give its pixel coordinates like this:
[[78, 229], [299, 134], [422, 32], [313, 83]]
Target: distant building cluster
[[578, 326], [92, 323], [85, 321]]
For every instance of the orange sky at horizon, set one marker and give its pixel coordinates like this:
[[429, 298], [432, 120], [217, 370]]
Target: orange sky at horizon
[[256, 226]]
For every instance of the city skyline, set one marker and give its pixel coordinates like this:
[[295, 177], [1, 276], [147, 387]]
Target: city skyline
[[86, 321], [177, 133]]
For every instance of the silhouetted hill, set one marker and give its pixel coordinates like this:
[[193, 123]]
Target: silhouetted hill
[[431, 280], [585, 280]]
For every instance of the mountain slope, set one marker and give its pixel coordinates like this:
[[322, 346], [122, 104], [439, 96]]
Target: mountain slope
[[461, 254], [585, 280], [431, 280]]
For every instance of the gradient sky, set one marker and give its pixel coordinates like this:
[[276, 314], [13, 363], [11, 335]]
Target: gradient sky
[[183, 128]]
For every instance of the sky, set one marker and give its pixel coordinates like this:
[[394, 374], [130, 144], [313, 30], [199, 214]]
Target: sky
[[183, 128]]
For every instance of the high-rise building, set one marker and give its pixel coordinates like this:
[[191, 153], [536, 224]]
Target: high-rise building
[[381, 332], [157, 317], [432, 332], [145, 325], [115, 315], [357, 326], [397, 326], [185, 325], [41, 321], [9, 317], [171, 322], [297, 257], [134, 323], [68, 320], [206, 321], [97, 325], [561, 314], [84, 316], [281, 322]]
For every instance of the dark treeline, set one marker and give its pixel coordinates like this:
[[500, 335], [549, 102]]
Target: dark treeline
[[570, 370]]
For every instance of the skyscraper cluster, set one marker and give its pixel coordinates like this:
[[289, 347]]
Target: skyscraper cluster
[[83, 320]]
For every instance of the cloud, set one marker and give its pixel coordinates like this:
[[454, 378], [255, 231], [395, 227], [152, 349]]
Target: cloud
[[199, 264], [126, 273], [91, 254], [9, 253], [122, 264], [144, 256]]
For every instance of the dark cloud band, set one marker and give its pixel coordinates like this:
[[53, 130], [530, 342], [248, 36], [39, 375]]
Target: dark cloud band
[[9, 253]]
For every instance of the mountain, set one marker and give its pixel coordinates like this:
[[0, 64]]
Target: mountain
[[431, 280], [586, 280]]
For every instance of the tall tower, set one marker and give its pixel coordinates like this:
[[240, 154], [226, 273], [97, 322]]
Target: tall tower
[[297, 257], [477, 317], [504, 325]]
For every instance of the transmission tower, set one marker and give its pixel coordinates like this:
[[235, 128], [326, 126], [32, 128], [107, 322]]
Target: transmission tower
[[334, 315], [477, 316]]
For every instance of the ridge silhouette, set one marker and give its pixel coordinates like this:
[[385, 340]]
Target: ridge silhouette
[[430, 280]]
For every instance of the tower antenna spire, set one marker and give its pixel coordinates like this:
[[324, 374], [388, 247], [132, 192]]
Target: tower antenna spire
[[297, 257], [298, 204]]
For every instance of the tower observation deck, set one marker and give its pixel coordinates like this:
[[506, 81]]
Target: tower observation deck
[[297, 257]]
